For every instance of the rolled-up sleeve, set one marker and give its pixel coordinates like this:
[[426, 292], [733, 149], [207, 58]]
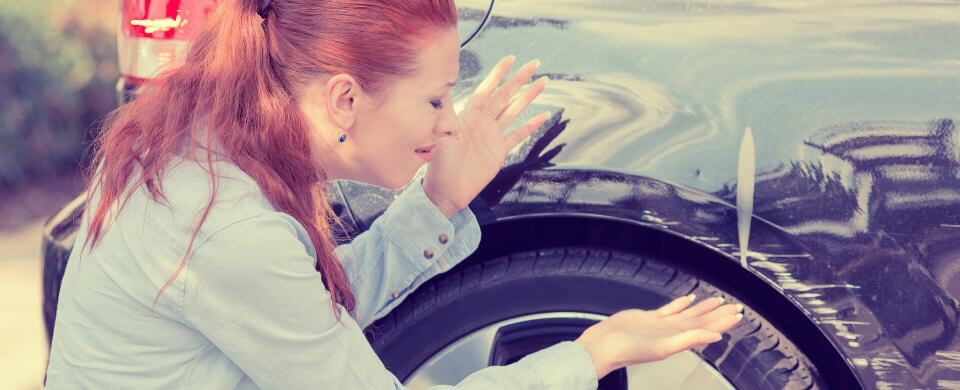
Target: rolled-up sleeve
[[409, 243], [252, 290]]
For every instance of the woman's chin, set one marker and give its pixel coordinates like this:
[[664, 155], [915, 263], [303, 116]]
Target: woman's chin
[[393, 179], [398, 182]]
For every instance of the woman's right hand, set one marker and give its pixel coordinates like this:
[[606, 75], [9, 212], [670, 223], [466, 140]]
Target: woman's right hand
[[635, 336], [464, 163]]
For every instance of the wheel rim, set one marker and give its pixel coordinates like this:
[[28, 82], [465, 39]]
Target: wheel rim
[[504, 341]]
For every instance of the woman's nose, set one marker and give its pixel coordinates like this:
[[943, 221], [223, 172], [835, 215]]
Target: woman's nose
[[448, 122]]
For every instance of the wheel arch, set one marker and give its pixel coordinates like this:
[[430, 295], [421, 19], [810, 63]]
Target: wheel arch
[[521, 233]]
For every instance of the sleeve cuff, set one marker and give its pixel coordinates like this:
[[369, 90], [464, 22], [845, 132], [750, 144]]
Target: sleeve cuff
[[418, 227], [563, 365], [467, 240]]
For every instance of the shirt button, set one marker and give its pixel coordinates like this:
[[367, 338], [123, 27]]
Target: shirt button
[[428, 253], [443, 238]]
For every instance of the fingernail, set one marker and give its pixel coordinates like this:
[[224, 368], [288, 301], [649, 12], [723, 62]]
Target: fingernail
[[544, 78], [693, 297], [720, 299], [511, 58], [535, 62], [739, 317], [739, 308], [716, 337]]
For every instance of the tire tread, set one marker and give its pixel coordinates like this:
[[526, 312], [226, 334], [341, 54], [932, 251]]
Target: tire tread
[[754, 352]]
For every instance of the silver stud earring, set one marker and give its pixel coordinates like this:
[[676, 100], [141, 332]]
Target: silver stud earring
[[343, 138]]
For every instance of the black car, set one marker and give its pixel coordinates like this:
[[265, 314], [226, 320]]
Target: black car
[[800, 158]]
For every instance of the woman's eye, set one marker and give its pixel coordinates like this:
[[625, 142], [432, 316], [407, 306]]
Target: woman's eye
[[437, 103]]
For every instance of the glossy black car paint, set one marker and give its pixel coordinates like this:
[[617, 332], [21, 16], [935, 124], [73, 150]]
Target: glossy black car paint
[[855, 231]]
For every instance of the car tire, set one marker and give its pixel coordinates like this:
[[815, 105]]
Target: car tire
[[443, 311]]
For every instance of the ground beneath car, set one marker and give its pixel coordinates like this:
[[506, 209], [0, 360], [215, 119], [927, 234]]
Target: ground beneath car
[[22, 213], [23, 355]]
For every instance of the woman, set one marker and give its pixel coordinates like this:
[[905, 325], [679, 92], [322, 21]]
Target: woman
[[205, 227]]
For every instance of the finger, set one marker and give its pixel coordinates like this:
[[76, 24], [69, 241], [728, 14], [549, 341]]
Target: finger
[[503, 94], [723, 323], [676, 305], [520, 103], [481, 94], [720, 312], [517, 136], [686, 340], [704, 307]]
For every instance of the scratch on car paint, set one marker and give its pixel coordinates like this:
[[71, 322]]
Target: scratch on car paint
[[704, 238], [766, 256], [785, 280], [776, 269], [657, 220], [860, 362], [949, 359], [769, 265], [881, 385], [828, 310], [887, 365], [948, 384], [746, 169], [848, 335], [798, 286], [843, 328], [843, 322]]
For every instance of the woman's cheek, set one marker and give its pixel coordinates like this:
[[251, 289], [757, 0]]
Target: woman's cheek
[[402, 164]]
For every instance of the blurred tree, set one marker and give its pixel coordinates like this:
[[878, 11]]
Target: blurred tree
[[58, 69]]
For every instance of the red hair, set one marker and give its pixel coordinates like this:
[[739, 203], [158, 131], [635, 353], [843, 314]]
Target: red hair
[[241, 76]]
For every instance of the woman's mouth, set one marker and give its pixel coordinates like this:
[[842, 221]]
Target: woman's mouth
[[426, 152]]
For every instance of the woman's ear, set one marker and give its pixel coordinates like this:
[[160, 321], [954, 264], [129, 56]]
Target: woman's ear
[[342, 92]]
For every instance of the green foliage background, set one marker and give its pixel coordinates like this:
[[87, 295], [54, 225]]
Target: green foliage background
[[58, 72]]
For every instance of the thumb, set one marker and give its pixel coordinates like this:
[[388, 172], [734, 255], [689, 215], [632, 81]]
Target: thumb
[[689, 339]]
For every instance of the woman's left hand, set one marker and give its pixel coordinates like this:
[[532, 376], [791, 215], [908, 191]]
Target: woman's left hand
[[465, 162]]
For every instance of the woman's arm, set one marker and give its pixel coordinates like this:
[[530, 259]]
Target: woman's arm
[[410, 243], [253, 291]]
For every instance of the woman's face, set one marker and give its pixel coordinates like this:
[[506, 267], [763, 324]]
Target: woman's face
[[386, 133]]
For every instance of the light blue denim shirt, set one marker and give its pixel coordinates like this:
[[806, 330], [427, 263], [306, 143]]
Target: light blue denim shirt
[[250, 310]]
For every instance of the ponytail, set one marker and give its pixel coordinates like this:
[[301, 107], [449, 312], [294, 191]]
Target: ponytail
[[237, 88]]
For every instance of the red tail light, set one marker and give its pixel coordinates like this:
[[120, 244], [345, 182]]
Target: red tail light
[[154, 35]]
